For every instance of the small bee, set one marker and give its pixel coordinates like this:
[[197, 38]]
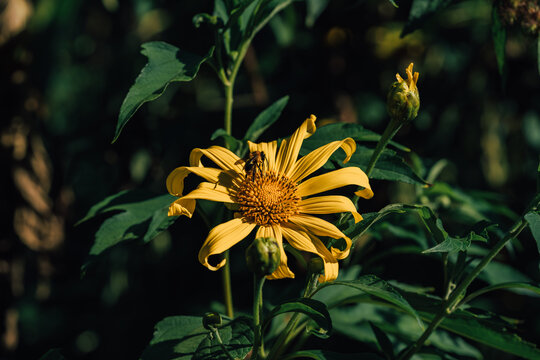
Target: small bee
[[254, 162]]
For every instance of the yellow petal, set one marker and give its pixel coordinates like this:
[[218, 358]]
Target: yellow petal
[[224, 158], [207, 191], [322, 227], [336, 179], [318, 157], [269, 150], [283, 270], [222, 238], [304, 241], [330, 204], [175, 180], [289, 149]]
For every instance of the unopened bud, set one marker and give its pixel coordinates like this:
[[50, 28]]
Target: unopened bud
[[211, 320], [403, 100], [263, 256]]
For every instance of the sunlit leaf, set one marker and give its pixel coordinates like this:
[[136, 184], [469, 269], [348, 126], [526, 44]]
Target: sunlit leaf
[[314, 309], [265, 119], [185, 338], [166, 64], [135, 214], [421, 10], [378, 288]]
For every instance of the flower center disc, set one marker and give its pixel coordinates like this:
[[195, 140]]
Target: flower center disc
[[267, 198]]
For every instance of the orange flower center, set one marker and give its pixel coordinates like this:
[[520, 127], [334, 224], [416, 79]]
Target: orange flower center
[[267, 198]]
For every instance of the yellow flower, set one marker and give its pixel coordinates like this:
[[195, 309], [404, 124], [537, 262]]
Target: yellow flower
[[273, 197]]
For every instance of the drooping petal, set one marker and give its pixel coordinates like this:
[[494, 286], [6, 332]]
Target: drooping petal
[[318, 157], [269, 150], [207, 191], [322, 227], [330, 204], [302, 240], [223, 237], [336, 179], [283, 270], [175, 180], [222, 157], [289, 148]]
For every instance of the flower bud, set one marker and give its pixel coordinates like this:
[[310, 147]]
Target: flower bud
[[403, 100], [211, 319], [263, 256], [315, 265]]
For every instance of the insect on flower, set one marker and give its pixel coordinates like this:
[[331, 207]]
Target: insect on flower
[[254, 162]]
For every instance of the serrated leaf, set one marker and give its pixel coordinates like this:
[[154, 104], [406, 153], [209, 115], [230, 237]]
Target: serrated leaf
[[329, 355], [138, 214], [185, 338], [265, 119], [378, 288], [421, 10], [53, 354], [314, 309], [166, 64], [484, 327], [498, 33]]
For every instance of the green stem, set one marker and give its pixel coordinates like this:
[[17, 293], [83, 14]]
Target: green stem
[[227, 288], [218, 337], [391, 130], [258, 345], [455, 297]]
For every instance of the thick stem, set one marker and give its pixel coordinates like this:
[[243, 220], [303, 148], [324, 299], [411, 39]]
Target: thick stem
[[258, 346], [227, 288], [456, 296]]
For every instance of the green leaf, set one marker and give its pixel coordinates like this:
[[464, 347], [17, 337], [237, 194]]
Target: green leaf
[[53, 354], [166, 64], [231, 142], [329, 355], [137, 214], [394, 3], [185, 338], [498, 33], [526, 289], [356, 230], [451, 244], [538, 53], [314, 309], [265, 13], [384, 342], [378, 288], [421, 10], [483, 327], [265, 119], [533, 219]]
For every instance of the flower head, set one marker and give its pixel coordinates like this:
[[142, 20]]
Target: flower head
[[270, 194], [403, 99]]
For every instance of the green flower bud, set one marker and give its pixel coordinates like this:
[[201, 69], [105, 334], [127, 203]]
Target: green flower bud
[[316, 265], [403, 100], [263, 256], [211, 320]]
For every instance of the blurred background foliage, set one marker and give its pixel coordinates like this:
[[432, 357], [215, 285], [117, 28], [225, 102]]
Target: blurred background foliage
[[66, 66]]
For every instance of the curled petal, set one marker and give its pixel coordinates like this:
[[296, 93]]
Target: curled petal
[[289, 149], [175, 180], [223, 237], [207, 191], [318, 157], [224, 158], [283, 270], [330, 204], [322, 227], [298, 238], [336, 179], [269, 150]]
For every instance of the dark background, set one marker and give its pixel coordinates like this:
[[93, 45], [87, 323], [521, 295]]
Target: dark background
[[66, 69]]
